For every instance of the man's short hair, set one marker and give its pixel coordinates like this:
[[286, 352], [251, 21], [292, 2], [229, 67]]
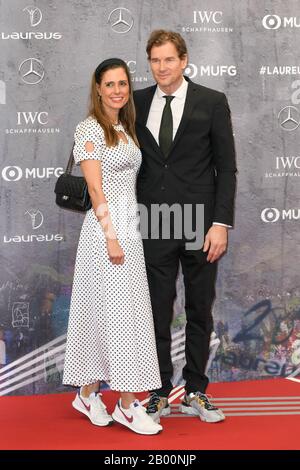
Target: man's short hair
[[160, 37]]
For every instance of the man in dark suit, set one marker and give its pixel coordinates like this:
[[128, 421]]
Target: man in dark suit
[[186, 140]]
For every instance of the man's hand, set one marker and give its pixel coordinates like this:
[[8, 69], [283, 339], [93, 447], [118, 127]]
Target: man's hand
[[216, 241]]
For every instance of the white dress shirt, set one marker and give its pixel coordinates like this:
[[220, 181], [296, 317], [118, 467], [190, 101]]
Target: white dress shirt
[[157, 107], [177, 106]]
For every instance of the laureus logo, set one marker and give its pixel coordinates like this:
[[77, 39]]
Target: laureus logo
[[35, 15], [36, 218]]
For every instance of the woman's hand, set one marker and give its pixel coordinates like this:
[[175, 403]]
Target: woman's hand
[[115, 252]]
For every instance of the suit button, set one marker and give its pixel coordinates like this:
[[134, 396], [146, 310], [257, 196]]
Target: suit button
[[166, 165], [162, 188]]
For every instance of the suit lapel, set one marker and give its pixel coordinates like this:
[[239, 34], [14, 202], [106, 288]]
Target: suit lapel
[[145, 108], [187, 111], [143, 117]]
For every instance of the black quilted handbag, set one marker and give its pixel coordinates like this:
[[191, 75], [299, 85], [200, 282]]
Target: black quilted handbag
[[72, 191]]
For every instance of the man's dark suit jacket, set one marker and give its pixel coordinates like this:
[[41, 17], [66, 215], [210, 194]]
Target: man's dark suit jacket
[[200, 167]]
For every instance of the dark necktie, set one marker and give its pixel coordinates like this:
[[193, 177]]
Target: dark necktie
[[165, 136]]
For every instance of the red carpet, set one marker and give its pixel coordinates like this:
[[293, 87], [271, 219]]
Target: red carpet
[[268, 419]]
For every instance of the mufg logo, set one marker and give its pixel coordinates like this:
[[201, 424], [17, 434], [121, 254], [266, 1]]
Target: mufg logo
[[276, 22], [2, 92]]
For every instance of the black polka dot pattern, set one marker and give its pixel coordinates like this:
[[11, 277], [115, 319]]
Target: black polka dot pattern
[[111, 333]]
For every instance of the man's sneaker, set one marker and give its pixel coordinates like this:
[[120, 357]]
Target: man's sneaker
[[158, 406], [94, 408], [198, 404], [135, 418]]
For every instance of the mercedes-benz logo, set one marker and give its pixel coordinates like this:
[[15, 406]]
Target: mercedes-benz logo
[[31, 71], [289, 118], [37, 218], [120, 20], [35, 15]]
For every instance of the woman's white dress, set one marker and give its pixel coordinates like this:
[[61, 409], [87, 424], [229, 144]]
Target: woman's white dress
[[111, 334]]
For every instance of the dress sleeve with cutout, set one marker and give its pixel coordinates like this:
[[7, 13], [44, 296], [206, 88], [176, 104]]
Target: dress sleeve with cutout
[[88, 131]]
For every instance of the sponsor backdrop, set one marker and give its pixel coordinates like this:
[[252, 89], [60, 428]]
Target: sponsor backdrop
[[250, 51]]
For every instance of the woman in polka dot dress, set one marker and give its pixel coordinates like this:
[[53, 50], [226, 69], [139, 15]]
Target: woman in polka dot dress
[[111, 333]]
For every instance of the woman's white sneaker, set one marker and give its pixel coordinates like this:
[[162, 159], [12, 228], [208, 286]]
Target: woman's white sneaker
[[136, 418], [94, 408]]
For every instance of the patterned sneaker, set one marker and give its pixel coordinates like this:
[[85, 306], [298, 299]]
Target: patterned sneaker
[[158, 406], [94, 408], [198, 404], [135, 418]]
